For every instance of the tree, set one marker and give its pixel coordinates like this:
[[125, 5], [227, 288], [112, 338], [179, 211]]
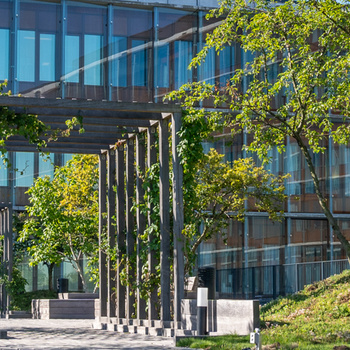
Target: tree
[[63, 222], [223, 191], [296, 84]]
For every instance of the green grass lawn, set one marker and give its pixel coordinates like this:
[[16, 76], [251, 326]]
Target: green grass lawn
[[318, 317]]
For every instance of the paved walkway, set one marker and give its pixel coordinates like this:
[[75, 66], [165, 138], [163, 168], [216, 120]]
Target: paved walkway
[[28, 334]]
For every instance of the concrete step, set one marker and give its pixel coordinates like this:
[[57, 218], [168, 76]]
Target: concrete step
[[122, 328], [20, 314], [185, 333], [99, 325], [142, 330], [168, 332], [145, 327], [155, 331], [112, 327]]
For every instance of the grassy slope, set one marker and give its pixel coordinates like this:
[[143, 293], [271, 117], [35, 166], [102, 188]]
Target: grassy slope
[[316, 318], [319, 314]]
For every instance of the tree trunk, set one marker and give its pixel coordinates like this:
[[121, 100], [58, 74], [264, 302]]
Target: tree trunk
[[50, 269], [81, 274], [331, 220]]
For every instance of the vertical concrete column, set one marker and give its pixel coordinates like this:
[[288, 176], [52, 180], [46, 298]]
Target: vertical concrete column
[[164, 220], [10, 247], [111, 209], [152, 260], [178, 212], [121, 247], [130, 225], [103, 295], [3, 232], [6, 224], [2, 291], [140, 220]]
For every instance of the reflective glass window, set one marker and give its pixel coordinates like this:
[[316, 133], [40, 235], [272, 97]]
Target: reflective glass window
[[72, 59], [84, 47], [309, 241], [46, 166], [93, 45], [340, 177], [119, 61], [4, 49], [67, 157], [130, 55], [26, 56], [264, 242], [47, 57], [162, 69], [183, 57], [5, 22], [37, 50], [25, 169], [226, 58], [3, 174], [207, 68], [139, 63], [174, 49]]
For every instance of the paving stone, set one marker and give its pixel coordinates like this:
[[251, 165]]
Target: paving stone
[[28, 334]]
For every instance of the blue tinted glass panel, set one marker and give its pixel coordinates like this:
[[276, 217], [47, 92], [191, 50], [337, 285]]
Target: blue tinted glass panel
[[162, 75], [138, 62], [4, 57], [207, 68], [25, 166], [46, 166], [226, 64], [26, 55], [3, 174], [119, 61], [93, 59], [183, 57], [72, 59], [67, 157], [47, 57]]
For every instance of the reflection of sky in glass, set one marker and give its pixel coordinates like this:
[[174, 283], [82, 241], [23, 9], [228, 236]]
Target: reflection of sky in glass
[[26, 55], [47, 57], [139, 68], [3, 173], [46, 166], [4, 56], [92, 59], [25, 165], [183, 56], [72, 59], [162, 71], [119, 63]]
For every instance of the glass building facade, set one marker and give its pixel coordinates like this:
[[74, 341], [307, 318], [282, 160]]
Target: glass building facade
[[137, 52]]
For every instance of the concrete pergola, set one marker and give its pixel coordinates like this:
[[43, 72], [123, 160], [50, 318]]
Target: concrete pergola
[[118, 133]]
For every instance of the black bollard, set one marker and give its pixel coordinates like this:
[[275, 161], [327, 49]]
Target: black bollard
[[202, 307]]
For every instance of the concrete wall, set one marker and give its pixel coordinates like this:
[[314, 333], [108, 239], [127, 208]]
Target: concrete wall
[[46, 309], [224, 316]]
